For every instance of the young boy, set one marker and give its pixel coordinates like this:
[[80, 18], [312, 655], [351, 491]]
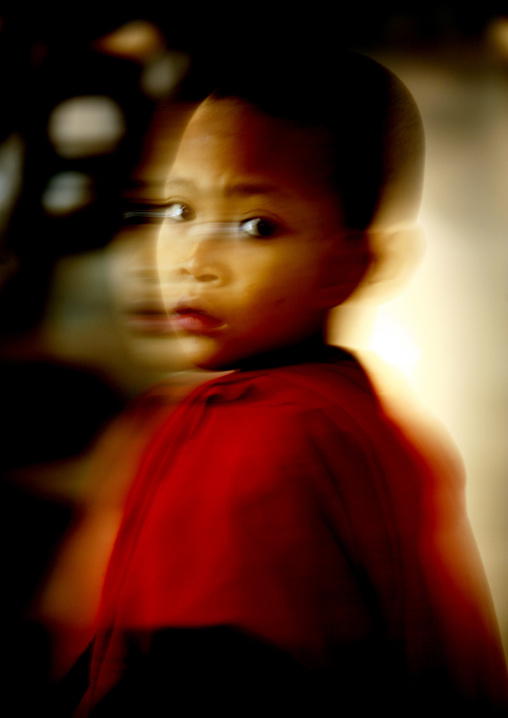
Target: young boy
[[287, 546]]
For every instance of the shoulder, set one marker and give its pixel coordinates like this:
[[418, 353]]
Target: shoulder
[[306, 402], [330, 417], [328, 413], [296, 389], [308, 417]]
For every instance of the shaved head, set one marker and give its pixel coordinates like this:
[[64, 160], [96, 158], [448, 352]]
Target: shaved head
[[367, 119]]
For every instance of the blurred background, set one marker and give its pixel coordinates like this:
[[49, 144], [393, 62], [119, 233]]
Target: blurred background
[[87, 99]]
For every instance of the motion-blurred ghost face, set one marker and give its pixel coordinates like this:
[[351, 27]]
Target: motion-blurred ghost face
[[145, 327], [251, 254]]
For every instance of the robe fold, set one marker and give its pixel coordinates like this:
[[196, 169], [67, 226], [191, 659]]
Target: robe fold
[[286, 507]]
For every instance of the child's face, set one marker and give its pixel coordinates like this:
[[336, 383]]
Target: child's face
[[252, 241]]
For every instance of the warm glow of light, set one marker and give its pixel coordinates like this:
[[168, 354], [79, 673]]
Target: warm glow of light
[[394, 343]]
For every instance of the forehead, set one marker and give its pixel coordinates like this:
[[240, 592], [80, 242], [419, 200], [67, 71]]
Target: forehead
[[232, 139]]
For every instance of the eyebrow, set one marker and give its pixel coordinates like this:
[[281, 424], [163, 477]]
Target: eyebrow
[[242, 189]]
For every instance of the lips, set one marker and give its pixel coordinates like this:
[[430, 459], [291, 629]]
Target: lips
[[148, 320], [194, 319]]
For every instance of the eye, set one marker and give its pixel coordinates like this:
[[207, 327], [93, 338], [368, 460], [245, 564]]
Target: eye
[[179, 212], [258, 227], [143, 215]]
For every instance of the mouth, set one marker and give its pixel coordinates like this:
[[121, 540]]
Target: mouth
[[192, 319], [147, 320]]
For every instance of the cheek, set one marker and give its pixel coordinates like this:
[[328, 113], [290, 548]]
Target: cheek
[[284, 292], [279, 271], [166, 252], [263, 289], [297, 279]]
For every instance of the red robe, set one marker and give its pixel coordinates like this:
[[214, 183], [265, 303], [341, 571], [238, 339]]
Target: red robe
[[287, 504]]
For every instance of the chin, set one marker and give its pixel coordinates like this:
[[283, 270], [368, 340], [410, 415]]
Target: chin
[[202, 352]]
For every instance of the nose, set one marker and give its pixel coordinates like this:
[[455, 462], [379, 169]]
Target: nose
[[200, 262], [144, 265], [198, 256], [134, 257]]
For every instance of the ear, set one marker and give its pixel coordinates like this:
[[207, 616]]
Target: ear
[[346, 265], [395, 254]]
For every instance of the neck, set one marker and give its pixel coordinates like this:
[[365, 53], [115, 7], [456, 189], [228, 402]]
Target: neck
[[311, 349]]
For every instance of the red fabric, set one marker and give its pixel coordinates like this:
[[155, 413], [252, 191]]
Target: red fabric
[[285, 502]]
